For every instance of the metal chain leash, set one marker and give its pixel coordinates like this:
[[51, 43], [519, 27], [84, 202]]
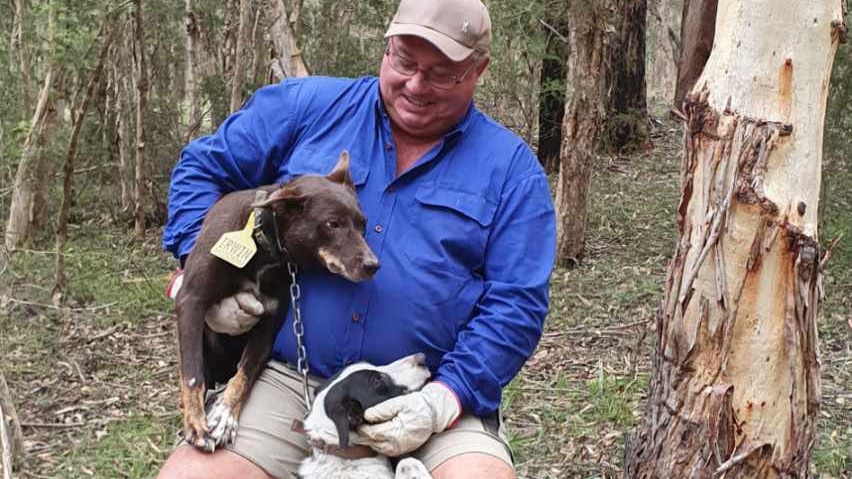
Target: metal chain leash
[[299, 332]]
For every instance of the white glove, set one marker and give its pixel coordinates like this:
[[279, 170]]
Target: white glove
[[233, 315], [404, 423]]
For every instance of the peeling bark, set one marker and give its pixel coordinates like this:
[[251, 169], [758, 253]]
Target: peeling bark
[[735, 388], [581, 127], [28, 191], [11, 435]]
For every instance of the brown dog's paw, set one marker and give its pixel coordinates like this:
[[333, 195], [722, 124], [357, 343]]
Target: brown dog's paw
[[195, 427], [195, 431]]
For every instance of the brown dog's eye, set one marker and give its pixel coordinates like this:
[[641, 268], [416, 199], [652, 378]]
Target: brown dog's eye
[[332, 224]]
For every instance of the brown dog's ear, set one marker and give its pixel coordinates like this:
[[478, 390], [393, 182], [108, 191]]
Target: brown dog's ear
[[340, 173], [282, 198]]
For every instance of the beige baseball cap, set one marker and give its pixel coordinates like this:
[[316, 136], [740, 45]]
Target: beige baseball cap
[[456, 27]]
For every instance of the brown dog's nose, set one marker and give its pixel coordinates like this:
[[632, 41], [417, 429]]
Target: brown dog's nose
[[371, 266]]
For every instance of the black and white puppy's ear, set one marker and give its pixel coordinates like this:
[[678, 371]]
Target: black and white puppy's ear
[[347, 414]]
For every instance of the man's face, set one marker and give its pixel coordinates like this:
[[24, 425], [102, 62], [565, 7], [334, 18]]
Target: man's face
[[416, 106]]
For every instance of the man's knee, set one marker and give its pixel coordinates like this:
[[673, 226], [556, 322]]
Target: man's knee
[[474, 466], [187, 462]]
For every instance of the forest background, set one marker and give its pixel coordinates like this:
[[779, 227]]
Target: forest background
[[89, 354]]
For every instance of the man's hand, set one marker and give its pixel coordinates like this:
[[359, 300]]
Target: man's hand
[[233, 315], [404, 423]]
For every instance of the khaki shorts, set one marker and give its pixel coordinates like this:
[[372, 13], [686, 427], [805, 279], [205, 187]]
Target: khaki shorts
[[265, 437]]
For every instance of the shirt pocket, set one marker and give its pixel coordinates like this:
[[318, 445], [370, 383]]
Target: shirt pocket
[[448, 229]]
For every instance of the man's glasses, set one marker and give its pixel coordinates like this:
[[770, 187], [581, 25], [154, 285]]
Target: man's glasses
[[407, 67]]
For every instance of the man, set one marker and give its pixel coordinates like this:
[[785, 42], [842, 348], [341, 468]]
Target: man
[[459, 215]]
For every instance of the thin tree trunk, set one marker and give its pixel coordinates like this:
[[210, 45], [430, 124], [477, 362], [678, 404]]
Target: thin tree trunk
[[735, 391], [121, 137], [193, 118], [227, 50], [581, 127], [258, 49], [68, 169], [239, 75], [11, 435], [697, 30], [626, 110], [20, 47], [141, 100], [662, 50], [21, 223], [288, 60]]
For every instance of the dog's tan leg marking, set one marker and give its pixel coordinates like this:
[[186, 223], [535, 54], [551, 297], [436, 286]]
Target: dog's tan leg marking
[[192, 403], [235, 392]]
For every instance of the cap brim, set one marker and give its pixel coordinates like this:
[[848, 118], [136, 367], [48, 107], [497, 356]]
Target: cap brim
[[452, 49]]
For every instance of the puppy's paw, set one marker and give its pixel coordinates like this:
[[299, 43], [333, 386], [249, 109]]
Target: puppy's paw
[[411, 468], [221, 425]]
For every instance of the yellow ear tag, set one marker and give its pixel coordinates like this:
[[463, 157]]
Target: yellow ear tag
[[236, 247]]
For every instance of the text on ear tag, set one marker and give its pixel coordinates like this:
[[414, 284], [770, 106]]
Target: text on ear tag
[[236, 247]]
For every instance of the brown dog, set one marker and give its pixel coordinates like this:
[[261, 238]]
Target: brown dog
[[314, 222]]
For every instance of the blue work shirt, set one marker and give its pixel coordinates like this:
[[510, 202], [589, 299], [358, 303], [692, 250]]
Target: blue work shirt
[[465, 238]]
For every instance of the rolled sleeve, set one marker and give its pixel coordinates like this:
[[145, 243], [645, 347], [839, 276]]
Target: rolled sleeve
[[509, 317]]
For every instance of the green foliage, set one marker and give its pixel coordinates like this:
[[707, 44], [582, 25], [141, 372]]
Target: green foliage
[[353, 50]]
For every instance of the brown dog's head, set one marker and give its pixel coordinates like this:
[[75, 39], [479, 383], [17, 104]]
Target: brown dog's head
[[321, 225]]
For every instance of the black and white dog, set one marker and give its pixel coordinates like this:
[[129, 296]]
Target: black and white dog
[[338, 410]]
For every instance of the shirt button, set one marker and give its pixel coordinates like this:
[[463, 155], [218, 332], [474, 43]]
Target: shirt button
[[388, 146], [378, 228], [356, 317]]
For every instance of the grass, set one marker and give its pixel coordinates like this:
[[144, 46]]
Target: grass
[[111, 402]]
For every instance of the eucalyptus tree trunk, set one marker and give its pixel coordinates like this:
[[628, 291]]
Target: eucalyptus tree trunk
[[141, 101], [259, 49], [238, 76], [662, 50], [697, 30], [287, 61], [29, 183], [11, 435], [191, 25], [585, 101], [735, 391], [626, 109], [122, 104], [20, 47]]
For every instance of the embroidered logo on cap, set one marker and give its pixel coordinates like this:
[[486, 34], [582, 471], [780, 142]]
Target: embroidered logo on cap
[[465, 26]]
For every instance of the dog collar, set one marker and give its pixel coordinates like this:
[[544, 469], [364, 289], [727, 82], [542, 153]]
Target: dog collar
[[356, 451], [265, 234]]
